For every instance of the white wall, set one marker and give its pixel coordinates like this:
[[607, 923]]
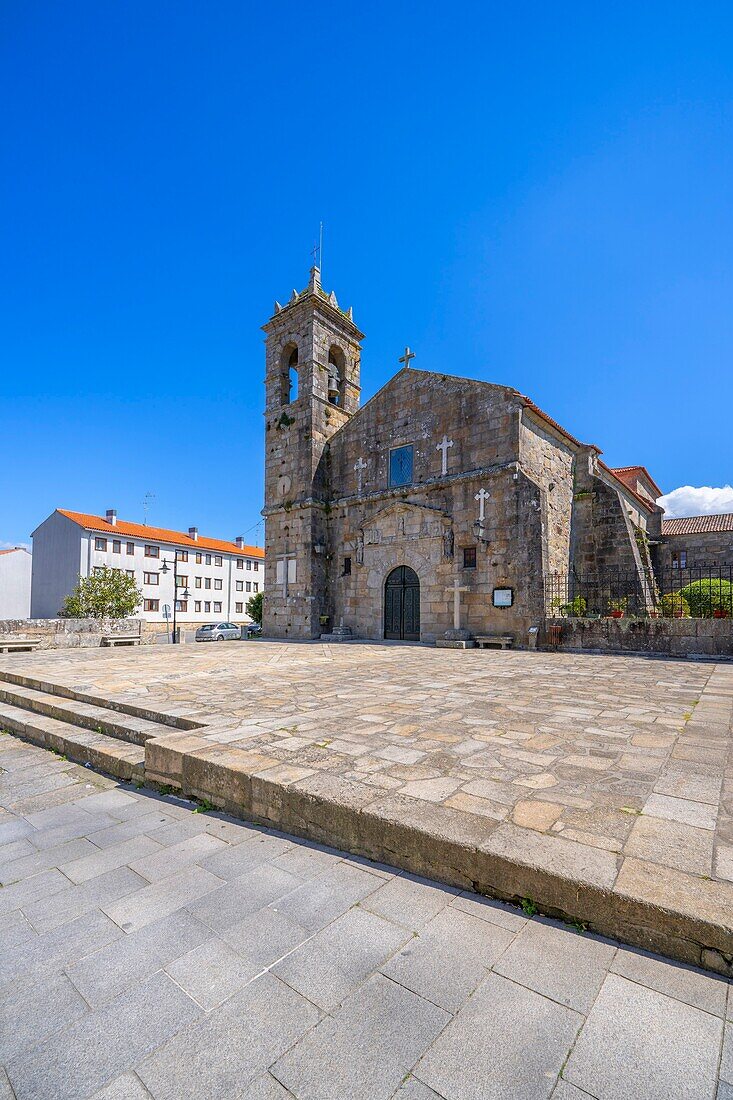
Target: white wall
[[15, 584], [57, 563]]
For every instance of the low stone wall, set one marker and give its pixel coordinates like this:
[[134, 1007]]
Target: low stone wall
[[71, 633], [674, 637]]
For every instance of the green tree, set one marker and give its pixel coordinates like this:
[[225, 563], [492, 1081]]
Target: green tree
[[254, 608], [107, 594]]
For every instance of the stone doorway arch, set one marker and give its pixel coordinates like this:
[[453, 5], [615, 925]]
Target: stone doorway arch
[[402, 605]]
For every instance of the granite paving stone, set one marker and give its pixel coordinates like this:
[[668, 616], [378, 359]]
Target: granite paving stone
[[105, 890], [28, 1015], [227, 905], [103, 1044], [684, 983], [47, 954], [366, 1049], [24, 867], [127, 1087], [449, 958], [264, 937], [672, 1047], [506, 1043], [410, 901], [567, 967], [159, 899], [210, 973], [100, 860], [234, 1045], [340, 957], [316, 903]]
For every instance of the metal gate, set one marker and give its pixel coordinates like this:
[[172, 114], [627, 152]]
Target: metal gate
[[402, 605]]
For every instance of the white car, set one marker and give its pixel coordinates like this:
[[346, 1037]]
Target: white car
[[218, 632]]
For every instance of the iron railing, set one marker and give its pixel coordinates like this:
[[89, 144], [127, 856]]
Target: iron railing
[[700, 591]]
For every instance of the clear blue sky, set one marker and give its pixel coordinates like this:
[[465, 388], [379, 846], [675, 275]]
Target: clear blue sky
[[533, 194]]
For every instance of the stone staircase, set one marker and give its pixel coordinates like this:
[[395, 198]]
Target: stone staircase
[[107, 735]]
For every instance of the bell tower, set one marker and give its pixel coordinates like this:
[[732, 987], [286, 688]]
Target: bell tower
[[311, 390]]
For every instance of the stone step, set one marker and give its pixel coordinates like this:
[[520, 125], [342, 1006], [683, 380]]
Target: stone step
[[175, 721], [86, 716], [107, 754]]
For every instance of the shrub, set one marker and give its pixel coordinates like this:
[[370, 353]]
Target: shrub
[[108, 594], [672, 603], [707, 596], [576, 608]]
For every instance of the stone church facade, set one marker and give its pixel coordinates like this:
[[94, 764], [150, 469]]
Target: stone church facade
[[375, 513]]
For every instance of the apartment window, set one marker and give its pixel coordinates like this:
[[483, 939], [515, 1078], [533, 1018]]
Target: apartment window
[[151, 605], [469, 557], [256, 587], [347, 567], [679, 559], [183, 555], [130, 572], [217, 560], [257, 565], [197, 605], [100, 544], [152, 551], [183, 580], [207, 582], [151, 578], [116, 546], [239, 607], [249, 564], [208, 559], [199, 558], [240, 563], [181, 605], [249, 586], [240, 586], [217, 608], [207, 607], [217, 585], [197, 582], [130, 549]]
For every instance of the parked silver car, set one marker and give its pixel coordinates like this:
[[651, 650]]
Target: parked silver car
[[218, 632]]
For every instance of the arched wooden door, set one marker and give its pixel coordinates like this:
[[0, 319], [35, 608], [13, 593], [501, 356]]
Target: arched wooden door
[[402, 604]]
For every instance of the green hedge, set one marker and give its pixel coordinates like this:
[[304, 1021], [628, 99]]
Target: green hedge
[[708, 596]]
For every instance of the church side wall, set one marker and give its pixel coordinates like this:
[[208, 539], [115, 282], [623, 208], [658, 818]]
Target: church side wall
[[550, 462]]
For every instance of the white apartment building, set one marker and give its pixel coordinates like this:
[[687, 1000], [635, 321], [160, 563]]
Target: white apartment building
[[15, 583], [215, 577]]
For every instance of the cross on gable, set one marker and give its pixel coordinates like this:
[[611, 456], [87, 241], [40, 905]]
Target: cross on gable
[[406, 357]]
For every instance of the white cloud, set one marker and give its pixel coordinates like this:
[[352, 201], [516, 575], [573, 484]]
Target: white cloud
[[13, 545], [702, 500]]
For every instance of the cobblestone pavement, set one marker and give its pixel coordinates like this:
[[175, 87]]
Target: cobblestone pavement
[[148, 950], [619, 756]]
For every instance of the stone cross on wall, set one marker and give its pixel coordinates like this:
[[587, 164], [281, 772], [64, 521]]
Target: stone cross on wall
[[406, 357], [443, 446], [455, 590], [359, 467], [481, 496]]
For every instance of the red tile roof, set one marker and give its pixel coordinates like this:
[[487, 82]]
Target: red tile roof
[[697, 525], [628, 475], [158, 534], [14, 550]]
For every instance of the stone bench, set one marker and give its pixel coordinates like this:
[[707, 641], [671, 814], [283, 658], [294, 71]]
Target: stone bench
[[120, 639], [10, 645], [489, 641]]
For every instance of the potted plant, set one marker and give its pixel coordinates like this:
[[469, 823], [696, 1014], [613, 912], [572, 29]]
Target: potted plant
[[618, 607], [720, 613], [673, 605]]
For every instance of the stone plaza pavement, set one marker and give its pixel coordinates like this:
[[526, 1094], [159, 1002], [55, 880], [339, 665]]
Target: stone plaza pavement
[[607, 780], [149, 950]]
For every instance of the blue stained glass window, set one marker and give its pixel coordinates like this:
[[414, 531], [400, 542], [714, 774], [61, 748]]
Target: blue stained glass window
[[400, 466]]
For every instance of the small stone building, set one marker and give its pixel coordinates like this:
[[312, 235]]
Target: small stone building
[[377, 513]]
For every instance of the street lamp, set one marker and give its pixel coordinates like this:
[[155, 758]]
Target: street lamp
[[184, 595]]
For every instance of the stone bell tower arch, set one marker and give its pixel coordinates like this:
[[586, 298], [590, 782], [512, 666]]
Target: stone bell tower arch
[[313, 355]]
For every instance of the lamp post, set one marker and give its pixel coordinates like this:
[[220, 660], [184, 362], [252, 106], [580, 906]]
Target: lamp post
[[184, 595]]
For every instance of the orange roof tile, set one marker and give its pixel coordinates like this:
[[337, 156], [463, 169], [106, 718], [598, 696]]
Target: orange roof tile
[[626, 474], [14, 550], [697, 525], [158, 534]]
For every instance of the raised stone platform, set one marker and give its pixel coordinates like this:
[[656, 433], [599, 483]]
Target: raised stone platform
[[594, 786]]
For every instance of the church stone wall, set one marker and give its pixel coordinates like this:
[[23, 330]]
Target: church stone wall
[[707, 549], [549, 461]]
